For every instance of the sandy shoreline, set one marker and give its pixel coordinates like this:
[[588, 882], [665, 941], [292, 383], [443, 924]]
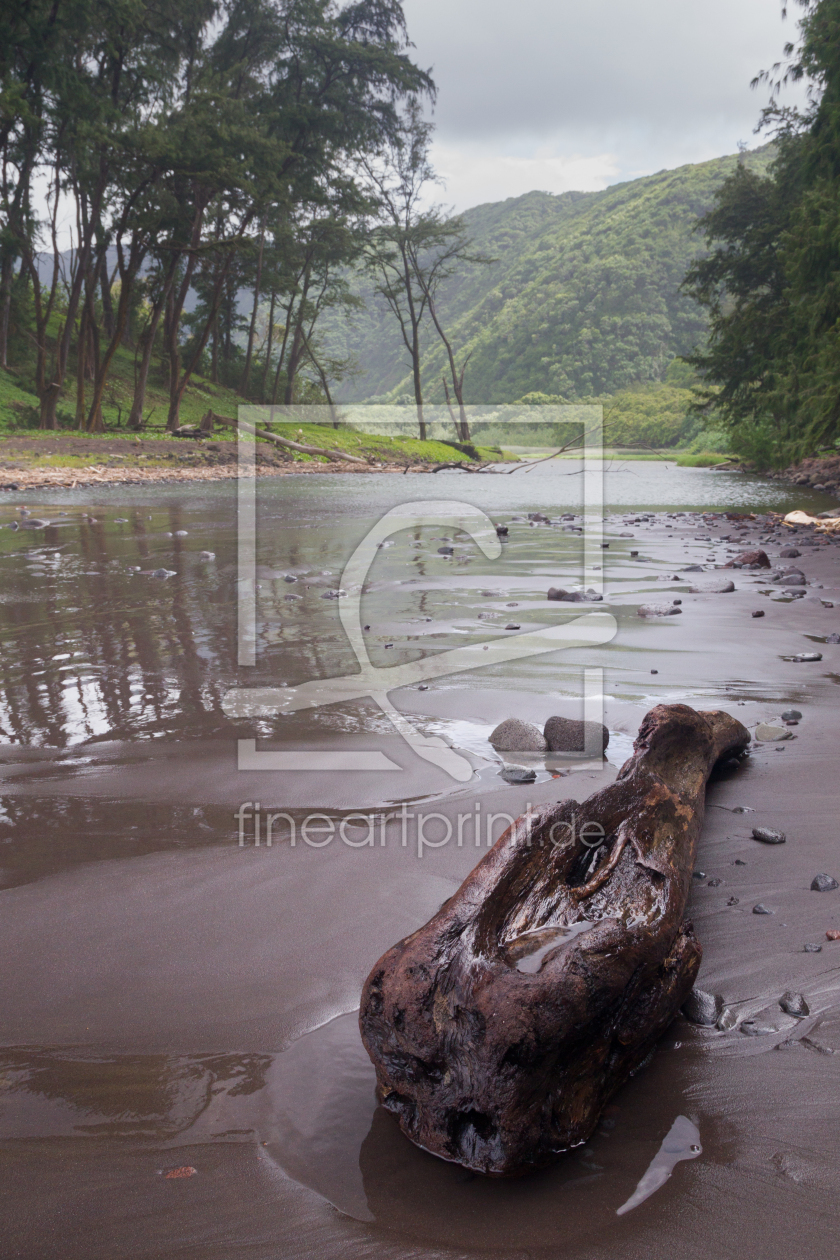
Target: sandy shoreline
[[190, 973]]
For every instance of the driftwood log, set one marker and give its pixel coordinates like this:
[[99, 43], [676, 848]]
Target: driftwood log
[[500, 1029]]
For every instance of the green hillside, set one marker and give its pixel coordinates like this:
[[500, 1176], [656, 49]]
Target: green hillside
[[582, 301]]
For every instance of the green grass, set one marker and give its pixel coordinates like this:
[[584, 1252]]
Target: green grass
[[704, 459]]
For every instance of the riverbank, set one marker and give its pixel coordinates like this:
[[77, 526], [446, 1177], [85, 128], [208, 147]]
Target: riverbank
[[181, 1042]]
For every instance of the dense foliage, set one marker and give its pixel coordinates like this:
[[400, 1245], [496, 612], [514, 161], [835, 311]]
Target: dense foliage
[[771, 283], [198, 148]]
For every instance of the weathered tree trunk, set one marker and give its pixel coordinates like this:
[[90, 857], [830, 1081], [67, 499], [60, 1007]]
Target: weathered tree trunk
[[500, 1029]]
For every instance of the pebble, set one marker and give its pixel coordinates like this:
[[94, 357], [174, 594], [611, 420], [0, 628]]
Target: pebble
[[423, 687], [163, 573], [751, 1029], [759, 613], [791, 715], [502, 531], [445, 551], [789, 553], [728, 1019], [733, 901], [654, 671], [715, 883], [513, 625], [767, 836], [658, 610], [802, 658], [703, 1008], [207, 555], [832, 638], [767, 734], [514, 735], [289, 577], [716, 588], [823, 883], [811, 948], [833, 934], [760, 909], [518, 774], [180, 533], [333, 594], [794, 1004], [699, 875]]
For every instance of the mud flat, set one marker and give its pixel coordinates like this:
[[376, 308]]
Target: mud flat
[[182, 1072]]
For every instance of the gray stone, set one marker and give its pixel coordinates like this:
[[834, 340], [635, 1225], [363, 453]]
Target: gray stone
[[721, 587], [658, 610], [768, 836], [514, 735], [767, 734], [789, 553], [513, 625], [802, 658], [446, 551], [794, 1004], [163, 573], [703, 1008], [728, 1019], [791, 579], [812, 948], [567, 735], [207, 555], [791, 715], [518, 774], [692, 568], [751, 1029], [823, 883], [760, 909]]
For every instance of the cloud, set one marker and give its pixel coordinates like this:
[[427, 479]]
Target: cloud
[[602, 90]]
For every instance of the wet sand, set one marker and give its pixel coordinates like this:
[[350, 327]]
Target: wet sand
[[173, 1001]]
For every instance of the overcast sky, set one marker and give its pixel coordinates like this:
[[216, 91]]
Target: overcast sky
[[555, 95]]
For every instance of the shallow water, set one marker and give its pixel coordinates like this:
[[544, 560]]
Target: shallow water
[[174, 1001]]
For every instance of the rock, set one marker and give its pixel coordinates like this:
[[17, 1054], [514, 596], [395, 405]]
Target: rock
[[812, 949], [728, 1019], [574, 597], [791, 579], [180, 533], [715, 883], [658, 610], [703, 1008], [833, 934], [802, 658], [514, 735], [759, 612], [791, 715], [445, 551], [500, 1029], [758, 559], [752, 1029], [691, 568], [518, 774], [767, 836], [502, 531], [163, 573], [794, 1004], [767, 734], [760, 909], [715, 588], [823, 883], [568, 735], [539, 517], [289, 577], [733, 901], [789, 553], [832, 638], [338, 594], [513, 625], [207, 555]]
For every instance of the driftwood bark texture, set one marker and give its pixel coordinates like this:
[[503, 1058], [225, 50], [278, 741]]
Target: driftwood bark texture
[[500, 1029]]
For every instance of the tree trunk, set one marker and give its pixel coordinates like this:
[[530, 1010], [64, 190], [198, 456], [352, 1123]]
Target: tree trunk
[[269, 341], [6, 273], [500, 1030], [81, 369], [107, 302], [246, 375]]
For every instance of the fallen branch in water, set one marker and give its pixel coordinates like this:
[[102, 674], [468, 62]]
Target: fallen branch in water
[[500, 1029]]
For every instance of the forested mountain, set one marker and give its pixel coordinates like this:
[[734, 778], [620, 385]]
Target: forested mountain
[[583, 298]]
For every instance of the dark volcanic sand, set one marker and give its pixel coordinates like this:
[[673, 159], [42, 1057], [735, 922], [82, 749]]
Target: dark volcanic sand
[[173, 1002]]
